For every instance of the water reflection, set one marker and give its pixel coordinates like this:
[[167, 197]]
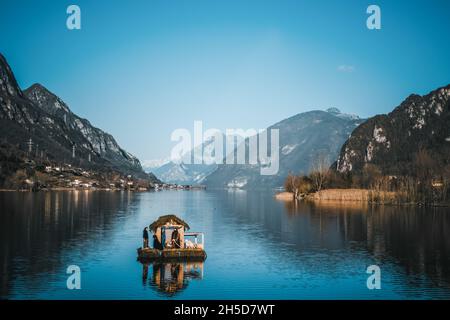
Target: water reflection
[[38, 229], [416, 238], [257, 247], [171, 278]]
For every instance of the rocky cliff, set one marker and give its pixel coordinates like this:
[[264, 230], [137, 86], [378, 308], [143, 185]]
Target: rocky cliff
[[38, 122], [391, 141]]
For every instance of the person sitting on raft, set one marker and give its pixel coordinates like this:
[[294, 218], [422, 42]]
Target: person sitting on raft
[[176, 239]]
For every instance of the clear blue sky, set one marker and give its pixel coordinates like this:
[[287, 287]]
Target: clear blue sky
[[140, 69]]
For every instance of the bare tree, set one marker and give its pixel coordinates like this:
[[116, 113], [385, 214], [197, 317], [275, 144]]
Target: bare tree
[[291, 184], [298, 185], [320, 171]]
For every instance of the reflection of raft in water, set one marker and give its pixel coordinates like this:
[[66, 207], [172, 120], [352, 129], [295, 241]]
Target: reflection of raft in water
[[171, 278], [184, 254], [173, 242]]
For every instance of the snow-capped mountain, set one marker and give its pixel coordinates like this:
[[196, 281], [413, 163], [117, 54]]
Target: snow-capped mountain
[[181, 173], [303, 138], [338, 113], [192, 167], [150, 165]]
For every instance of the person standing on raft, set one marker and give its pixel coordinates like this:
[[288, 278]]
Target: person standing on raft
[[156, 243], [145, 237]]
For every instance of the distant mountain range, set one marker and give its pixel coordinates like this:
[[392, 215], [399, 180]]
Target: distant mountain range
[[182, 173], [388, 141], [183, 170], [303, 138], [37, 121], [391, 140]]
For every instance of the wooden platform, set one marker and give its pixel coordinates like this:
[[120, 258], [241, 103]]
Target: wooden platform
[[150, 254]]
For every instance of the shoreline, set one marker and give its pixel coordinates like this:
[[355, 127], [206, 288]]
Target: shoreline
[[70, 189], [354, 196], [190, 188]]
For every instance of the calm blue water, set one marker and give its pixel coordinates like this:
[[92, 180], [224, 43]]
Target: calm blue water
[[258, 248]]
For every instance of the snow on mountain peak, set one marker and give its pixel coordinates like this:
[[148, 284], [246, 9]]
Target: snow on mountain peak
[[154, 163], [338, 113]]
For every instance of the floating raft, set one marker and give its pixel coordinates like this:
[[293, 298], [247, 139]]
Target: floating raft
[[150, 254]]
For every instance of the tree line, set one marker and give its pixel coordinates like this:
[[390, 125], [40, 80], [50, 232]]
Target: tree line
[[427, 181]]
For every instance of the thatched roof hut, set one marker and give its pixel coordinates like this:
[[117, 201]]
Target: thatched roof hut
[[168, 219]]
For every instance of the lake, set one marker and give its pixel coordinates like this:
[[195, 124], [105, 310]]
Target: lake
[[258, 247]]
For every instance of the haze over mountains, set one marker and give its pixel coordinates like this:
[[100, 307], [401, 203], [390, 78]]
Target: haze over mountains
[[389, 141], [184, 170], [37, 120], [303, 138]]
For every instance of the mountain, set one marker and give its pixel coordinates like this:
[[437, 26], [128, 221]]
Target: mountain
[[150, 165], [182, 173], [392, 140], [82, 134], [303, 139], [37, 120], [184, 170], [336, 112]]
